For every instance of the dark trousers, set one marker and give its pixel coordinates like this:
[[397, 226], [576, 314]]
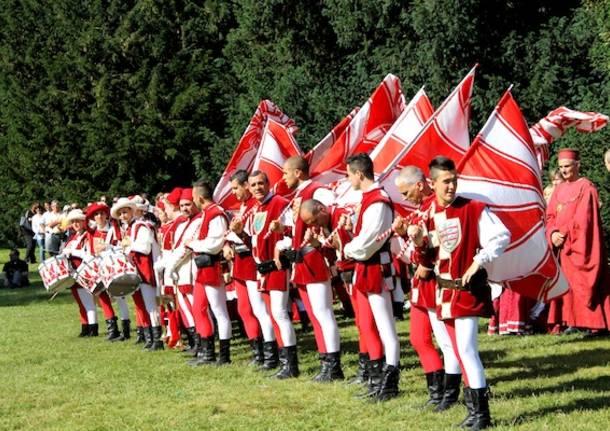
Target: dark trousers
[[30, 247]]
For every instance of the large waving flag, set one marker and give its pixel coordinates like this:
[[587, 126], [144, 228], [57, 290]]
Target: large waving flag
[[246, 150], [400, 135], [501, 169], [277, 145], [557, 122], [365, 130], [444, 133]]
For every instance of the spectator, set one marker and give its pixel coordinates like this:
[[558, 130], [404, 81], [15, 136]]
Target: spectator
[[38, 228], [554, 179], [53, 232], [16, 271], [25, 225]]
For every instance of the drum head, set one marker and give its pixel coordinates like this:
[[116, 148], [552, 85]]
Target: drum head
[[124, 285], [62, 284]]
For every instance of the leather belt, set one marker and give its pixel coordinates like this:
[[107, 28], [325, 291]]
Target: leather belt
[[456, 284]]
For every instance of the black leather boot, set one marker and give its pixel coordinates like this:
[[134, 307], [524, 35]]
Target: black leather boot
[[257, 351], [148, 337], [126, 329], [375, 376], [270, 355], [94, 330], [206, 354], [469, 420], [140, 335], [224, 352], [451, 392], [332, 369], [480, 405], [84, 331], [290, 363], [435, 387], [362, 375], [323, 374], [112, 329], [194, 340], [157, 343], [390, 375]]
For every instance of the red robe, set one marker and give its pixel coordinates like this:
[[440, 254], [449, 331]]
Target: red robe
[[574, 211], [423, 291], [244, 268]]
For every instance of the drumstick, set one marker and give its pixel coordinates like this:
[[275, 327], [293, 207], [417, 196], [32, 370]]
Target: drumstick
[[54, 295], [242, 217], [387, 233], [327, 242]]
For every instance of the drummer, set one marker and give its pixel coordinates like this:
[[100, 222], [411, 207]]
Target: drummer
[[140, 245], [74, 251], [102, 234]]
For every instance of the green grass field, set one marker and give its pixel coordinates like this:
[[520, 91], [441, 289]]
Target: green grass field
[[53, 380]]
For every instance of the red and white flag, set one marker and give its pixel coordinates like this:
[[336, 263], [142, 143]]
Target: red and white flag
[[554, 125], [365, 130], [277, 145], [246, 150], [501, 170], [400, 135]]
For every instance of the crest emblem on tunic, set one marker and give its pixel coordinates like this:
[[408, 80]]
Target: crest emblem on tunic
[[449, 233], [259, 221]]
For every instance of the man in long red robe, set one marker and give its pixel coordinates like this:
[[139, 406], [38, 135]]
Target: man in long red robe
[[575, 231]]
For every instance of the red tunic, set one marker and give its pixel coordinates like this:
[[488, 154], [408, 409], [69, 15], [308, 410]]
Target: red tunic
[[244, 268], [263, 249], [77, 242], [456, 228], [210, 276], [370, 275], [313, 269], [142, 262], [574, 211], [423, 291]]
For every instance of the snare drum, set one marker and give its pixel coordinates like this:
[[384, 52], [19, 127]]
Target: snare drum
[[56, 273], [88, 275], [119, 275]]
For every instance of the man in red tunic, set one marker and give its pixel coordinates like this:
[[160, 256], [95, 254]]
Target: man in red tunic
[[250, 302], [373, 280], [273, 279], [411, 183], [463, 236], [310, 271], [574, 229]]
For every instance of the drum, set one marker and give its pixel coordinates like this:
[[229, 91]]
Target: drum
[[119, 275], [56, 273], [89, 276]]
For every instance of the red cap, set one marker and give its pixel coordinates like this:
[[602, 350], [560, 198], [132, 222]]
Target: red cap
[[95, 207], [174, 196], [187, 194], [569, 154]]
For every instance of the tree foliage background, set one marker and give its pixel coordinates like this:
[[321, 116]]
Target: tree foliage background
[[117, 97]]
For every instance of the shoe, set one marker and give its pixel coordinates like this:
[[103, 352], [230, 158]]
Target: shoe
[[290, 363], [258, 356], [375, 368], [224, 352], [206, 354], [362, 375], [398, 310], [148, 337], [435, 387], [571, 330], [126, 329], [390, 376], [451, 392], [331, 368], [157, 343], [94, 330], [112, 330], [193, 339], [469, 420], [480, 405], [270, 355], [84, 331], [140, 338]]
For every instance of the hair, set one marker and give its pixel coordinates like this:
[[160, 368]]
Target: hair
[[363, 163], [35, 207], [298, 162], [241, 176], [440, 163], [205, 189], [410, 175], [312, 206], [257, 173]]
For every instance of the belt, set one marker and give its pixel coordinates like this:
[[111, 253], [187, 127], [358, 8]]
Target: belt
[[456, 284]]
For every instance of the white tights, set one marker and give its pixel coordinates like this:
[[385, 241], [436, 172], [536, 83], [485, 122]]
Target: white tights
[[279, 310], [260, 310], [217, 298], [86, 298], [321, 300], [381, 307], [149, 294], [452, 365], [466, 336]]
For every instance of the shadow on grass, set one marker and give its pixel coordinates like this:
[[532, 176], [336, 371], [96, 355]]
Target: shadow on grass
[[552, 366], [594, 384], [575, 405], [35, 293]]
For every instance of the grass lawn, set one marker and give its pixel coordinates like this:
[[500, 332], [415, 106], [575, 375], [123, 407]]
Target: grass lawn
[[53, 380]]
